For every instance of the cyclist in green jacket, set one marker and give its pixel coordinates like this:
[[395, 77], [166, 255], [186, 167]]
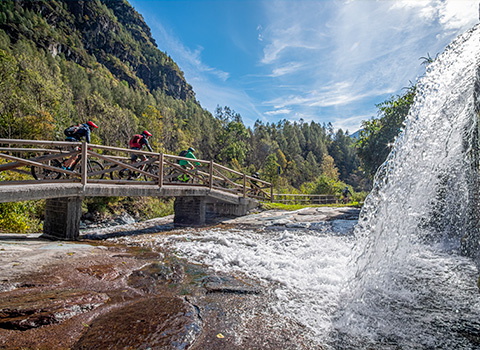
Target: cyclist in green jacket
[[186, 164]]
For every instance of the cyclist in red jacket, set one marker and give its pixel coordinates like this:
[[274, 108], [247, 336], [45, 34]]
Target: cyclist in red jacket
[[137, 142]]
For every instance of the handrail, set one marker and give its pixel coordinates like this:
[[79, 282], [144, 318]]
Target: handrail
[[206, 172], [305, 198]]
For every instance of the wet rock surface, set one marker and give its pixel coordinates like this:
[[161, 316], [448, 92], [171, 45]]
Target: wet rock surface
[[98, 294]]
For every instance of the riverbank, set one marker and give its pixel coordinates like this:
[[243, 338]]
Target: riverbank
[[103, 293]]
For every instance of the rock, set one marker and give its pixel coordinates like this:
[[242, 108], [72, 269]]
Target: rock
[[154, 323]]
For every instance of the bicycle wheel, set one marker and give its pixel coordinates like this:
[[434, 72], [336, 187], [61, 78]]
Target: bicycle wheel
[[47, 174], [94, 166], [133, 175], [199, 179], [121, 174], [152, 169]]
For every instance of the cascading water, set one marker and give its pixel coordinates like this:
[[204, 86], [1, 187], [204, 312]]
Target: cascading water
[[400, 281], [411, 289]]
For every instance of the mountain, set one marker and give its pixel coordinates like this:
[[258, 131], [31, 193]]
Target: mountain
[[109, 32]]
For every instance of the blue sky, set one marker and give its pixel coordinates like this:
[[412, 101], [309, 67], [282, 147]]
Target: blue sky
[[316, 60]]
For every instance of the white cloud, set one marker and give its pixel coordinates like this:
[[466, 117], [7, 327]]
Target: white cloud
[[289, 68], [352, 123], [278, 112], [457, 14], [451, 14]]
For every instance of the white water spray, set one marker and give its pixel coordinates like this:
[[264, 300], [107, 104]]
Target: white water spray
[[416, 217]]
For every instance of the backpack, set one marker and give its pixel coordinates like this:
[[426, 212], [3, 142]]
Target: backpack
[[71, 130], [135, 141], [182, 154]]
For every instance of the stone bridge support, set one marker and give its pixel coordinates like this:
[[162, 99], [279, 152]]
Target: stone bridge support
[[62, 218], [197, 210], [190, 211]]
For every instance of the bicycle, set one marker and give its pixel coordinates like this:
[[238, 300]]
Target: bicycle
[[47, 174], [127, 174], [175, 175]]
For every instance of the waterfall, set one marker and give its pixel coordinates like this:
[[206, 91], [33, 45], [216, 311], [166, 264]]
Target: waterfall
[[425, 204]]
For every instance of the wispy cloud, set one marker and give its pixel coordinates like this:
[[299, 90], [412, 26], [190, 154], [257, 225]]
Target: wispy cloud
[[342, 54], [189, 60], [283, 111]]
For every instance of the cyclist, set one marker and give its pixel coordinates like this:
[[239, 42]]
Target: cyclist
[[186, 164], [137, 142], [345, 194], [75, 133]]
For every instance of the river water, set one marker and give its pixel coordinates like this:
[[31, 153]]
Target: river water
[[398, 280]]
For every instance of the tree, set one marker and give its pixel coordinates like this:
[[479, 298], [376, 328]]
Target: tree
[[328, 167], [270, 170], [378, 134]]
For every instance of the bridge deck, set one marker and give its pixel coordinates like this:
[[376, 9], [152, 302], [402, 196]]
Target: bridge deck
[[13, 193]]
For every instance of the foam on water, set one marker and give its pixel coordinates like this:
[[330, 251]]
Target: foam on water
[[308, 270]]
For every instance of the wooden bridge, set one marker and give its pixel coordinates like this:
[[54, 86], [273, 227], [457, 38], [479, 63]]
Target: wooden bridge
[[33, 169]]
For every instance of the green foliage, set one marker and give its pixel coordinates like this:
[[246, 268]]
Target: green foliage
[[326, 185], [270, 170], [19, 217], [378, 134]]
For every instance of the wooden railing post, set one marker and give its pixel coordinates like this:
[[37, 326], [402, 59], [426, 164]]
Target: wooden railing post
[[210, 180], [271, 193], [244, 185], [160, 170], [84, 163]]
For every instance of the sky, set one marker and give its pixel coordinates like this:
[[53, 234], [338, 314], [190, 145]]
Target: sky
[[327, 61]]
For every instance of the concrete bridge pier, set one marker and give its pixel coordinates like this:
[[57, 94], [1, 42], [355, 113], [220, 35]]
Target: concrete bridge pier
[[62, 218], [189, 211], [197, 210]]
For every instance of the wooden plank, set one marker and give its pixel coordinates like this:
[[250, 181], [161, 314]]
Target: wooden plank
[[187, 159], [224, 178], [40, 165], [43, 158], [38, 142], [33, 150], [36, 182]]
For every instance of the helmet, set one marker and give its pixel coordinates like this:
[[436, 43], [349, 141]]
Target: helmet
[[146, 133], [191, 149], [92, 125]]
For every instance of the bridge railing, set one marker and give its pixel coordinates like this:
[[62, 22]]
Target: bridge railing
[[36, 161], [304, 199]]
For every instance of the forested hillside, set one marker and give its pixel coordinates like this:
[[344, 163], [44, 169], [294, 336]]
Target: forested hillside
[[64, 62]]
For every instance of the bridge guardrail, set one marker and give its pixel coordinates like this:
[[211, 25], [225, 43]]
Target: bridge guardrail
[[114, 165], [305, 199]]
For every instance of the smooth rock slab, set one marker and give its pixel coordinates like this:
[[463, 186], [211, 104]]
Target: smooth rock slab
[[153, 323]]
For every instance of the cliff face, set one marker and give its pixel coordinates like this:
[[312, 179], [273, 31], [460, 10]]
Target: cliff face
[[109, 32]]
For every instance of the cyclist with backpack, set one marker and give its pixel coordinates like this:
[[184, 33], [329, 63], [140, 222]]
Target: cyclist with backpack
[[75, 133], [138, 141], [345, 195], [186, 164]]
